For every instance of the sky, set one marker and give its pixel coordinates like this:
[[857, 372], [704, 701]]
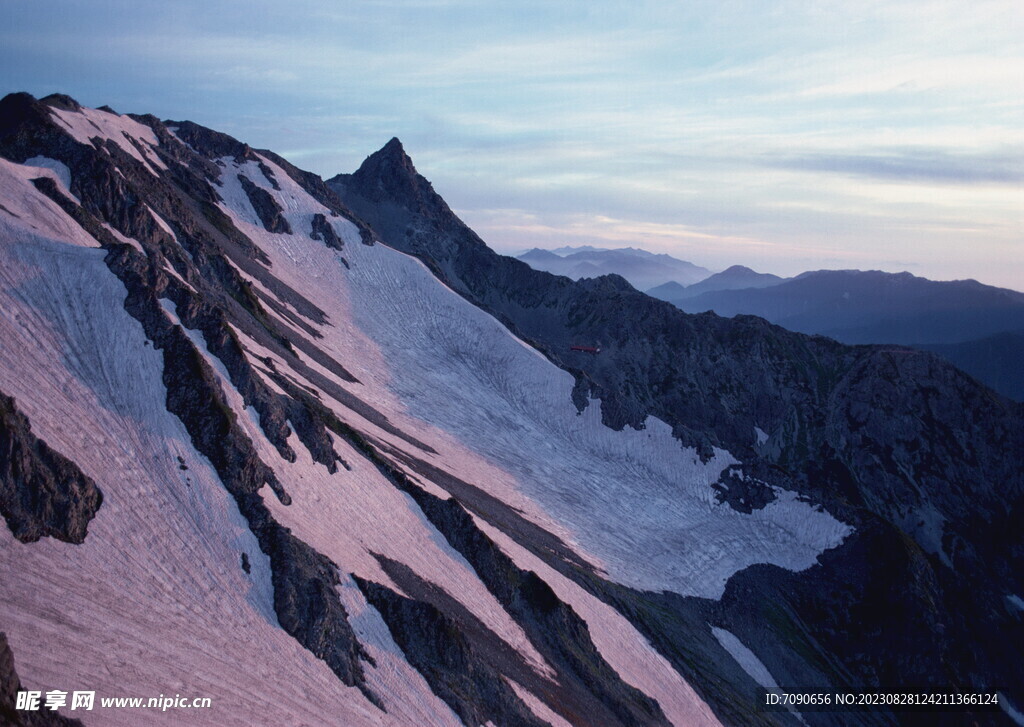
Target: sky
[[788, 135]]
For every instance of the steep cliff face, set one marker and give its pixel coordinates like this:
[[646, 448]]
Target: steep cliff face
[[920, 459]]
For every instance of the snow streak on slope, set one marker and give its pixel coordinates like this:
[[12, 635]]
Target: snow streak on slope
[[749, 662], [745, 658], [155, 601], [25, 208]]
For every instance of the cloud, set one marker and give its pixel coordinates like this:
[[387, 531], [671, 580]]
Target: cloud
[[847, 128], [915, 165]]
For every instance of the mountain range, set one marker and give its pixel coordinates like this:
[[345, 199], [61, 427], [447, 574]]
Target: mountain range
[[737, 277], [973, 325], [314, 451], [856, 306], [641, 268]]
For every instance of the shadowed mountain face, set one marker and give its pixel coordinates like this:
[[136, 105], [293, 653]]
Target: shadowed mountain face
[[330, 470], [641, 268], [896, 442], [965, 322], [856, 306], [735, 278], [995, 360]]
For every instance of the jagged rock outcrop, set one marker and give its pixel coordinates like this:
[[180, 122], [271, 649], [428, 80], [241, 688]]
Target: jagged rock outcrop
[[267, 208], [590, 692], [322, 230], [42, 493], [437, 646]]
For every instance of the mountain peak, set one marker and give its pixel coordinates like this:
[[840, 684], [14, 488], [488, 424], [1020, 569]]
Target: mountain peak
[[61, 101], [394, 146], [390, 156], [389, 173]]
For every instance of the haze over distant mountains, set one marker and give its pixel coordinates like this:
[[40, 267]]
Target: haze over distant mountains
[[736, 277], [856, 306], [641, 268]]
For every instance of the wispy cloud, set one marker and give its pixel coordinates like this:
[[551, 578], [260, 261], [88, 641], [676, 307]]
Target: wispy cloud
[[734, 130], [917, 165]]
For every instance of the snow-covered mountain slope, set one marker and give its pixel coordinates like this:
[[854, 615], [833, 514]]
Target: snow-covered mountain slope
[[334, 490], [154, 601], [440, 361], [171, 592]]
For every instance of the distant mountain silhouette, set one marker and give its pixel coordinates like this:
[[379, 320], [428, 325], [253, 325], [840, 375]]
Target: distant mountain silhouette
[[667, 291], [855, 306], [737, 277], [642, 269]]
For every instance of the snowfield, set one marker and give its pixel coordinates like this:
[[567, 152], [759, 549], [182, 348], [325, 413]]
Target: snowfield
[[635, 500], [155, 601]]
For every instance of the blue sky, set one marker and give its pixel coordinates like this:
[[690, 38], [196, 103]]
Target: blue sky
[[785, 135]]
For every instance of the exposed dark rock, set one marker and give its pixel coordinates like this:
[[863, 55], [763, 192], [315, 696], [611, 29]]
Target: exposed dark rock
[[209, 143], [61, 101], [212, 144], [245, 563], [312, 184], [485, 505], [589, 690], [491, 651], [269, 211], [10, 685], [322, 230], [437, 647], [269, 174], [115, 188], [42, 492], [743, 493], [837, 626]]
